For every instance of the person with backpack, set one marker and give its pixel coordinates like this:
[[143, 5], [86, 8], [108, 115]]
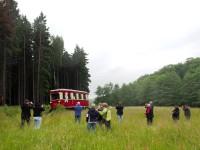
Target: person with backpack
[[37, 114], [149, 114], [92, 118]]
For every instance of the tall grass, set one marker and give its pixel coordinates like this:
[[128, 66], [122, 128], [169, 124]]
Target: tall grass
[[59, 131]]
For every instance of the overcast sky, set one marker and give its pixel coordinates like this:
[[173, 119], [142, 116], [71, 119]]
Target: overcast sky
[[124, 39]]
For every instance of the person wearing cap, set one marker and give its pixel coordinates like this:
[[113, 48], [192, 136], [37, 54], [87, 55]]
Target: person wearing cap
[[77, 111], [92, 118], [106, 115]]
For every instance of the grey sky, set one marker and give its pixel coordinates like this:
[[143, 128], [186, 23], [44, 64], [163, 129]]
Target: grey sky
[[124, 38]]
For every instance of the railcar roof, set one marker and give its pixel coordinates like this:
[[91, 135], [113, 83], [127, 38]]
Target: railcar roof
[[68, 90]]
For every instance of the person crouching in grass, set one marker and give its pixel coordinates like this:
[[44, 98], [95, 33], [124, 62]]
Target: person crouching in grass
[[92, 118]]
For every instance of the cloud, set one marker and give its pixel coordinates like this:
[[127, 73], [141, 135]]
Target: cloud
[[123, 39]]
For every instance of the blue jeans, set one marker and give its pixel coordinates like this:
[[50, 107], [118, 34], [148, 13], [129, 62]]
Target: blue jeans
[[120, 117], [37, 122], [91, 126]]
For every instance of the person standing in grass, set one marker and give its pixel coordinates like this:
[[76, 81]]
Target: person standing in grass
[[37, 114], [187, 112], [119, 109], [149, 114], [106, 115], [77, 111], [175, 113], [26, 112], [92, 118]]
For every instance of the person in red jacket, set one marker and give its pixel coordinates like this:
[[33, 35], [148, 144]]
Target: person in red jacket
[[149, 114]]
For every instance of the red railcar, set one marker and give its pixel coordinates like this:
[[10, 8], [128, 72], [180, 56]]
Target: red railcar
[[68, 98]]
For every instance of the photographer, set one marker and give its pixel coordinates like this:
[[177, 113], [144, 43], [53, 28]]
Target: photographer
[[26, 112]]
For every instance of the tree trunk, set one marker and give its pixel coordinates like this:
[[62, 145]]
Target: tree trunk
[[24, 94], [4, 75], [38, 72]]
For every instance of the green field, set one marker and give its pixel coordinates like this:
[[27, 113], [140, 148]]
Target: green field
[[59, 131]]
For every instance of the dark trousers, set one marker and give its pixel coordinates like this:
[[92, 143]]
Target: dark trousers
[[77, 118], [91, 126], [149, 120], [108, 124], [25, 119]]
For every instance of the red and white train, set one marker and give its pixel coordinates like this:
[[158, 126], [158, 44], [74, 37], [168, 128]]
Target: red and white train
[[68, 98]]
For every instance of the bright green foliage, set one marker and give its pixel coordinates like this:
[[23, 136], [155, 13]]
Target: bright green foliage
[[59, 131], [171, 85]]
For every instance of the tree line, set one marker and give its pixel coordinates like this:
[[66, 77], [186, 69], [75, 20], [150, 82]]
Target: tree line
[[172, 85], [32, 61]]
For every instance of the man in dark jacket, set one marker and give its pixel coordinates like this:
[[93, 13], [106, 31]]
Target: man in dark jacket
[[26, 112], [92, 118], [175, 113], [119, 109], [37, 115]]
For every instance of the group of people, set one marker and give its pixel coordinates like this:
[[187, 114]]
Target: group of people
[[26, 113], [176, 112], [100, 115], [149, 112]]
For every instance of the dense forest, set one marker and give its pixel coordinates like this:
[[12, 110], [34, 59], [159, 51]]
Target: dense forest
[[172, 85], [32, 61]]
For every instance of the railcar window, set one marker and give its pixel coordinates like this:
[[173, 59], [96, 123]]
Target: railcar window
[[81, 96], [84, 96], [65, 96], [69, 96], [74, 96], [77, 96], [55, 96]]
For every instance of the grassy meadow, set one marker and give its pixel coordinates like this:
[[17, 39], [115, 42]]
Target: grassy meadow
[[59, 131]]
